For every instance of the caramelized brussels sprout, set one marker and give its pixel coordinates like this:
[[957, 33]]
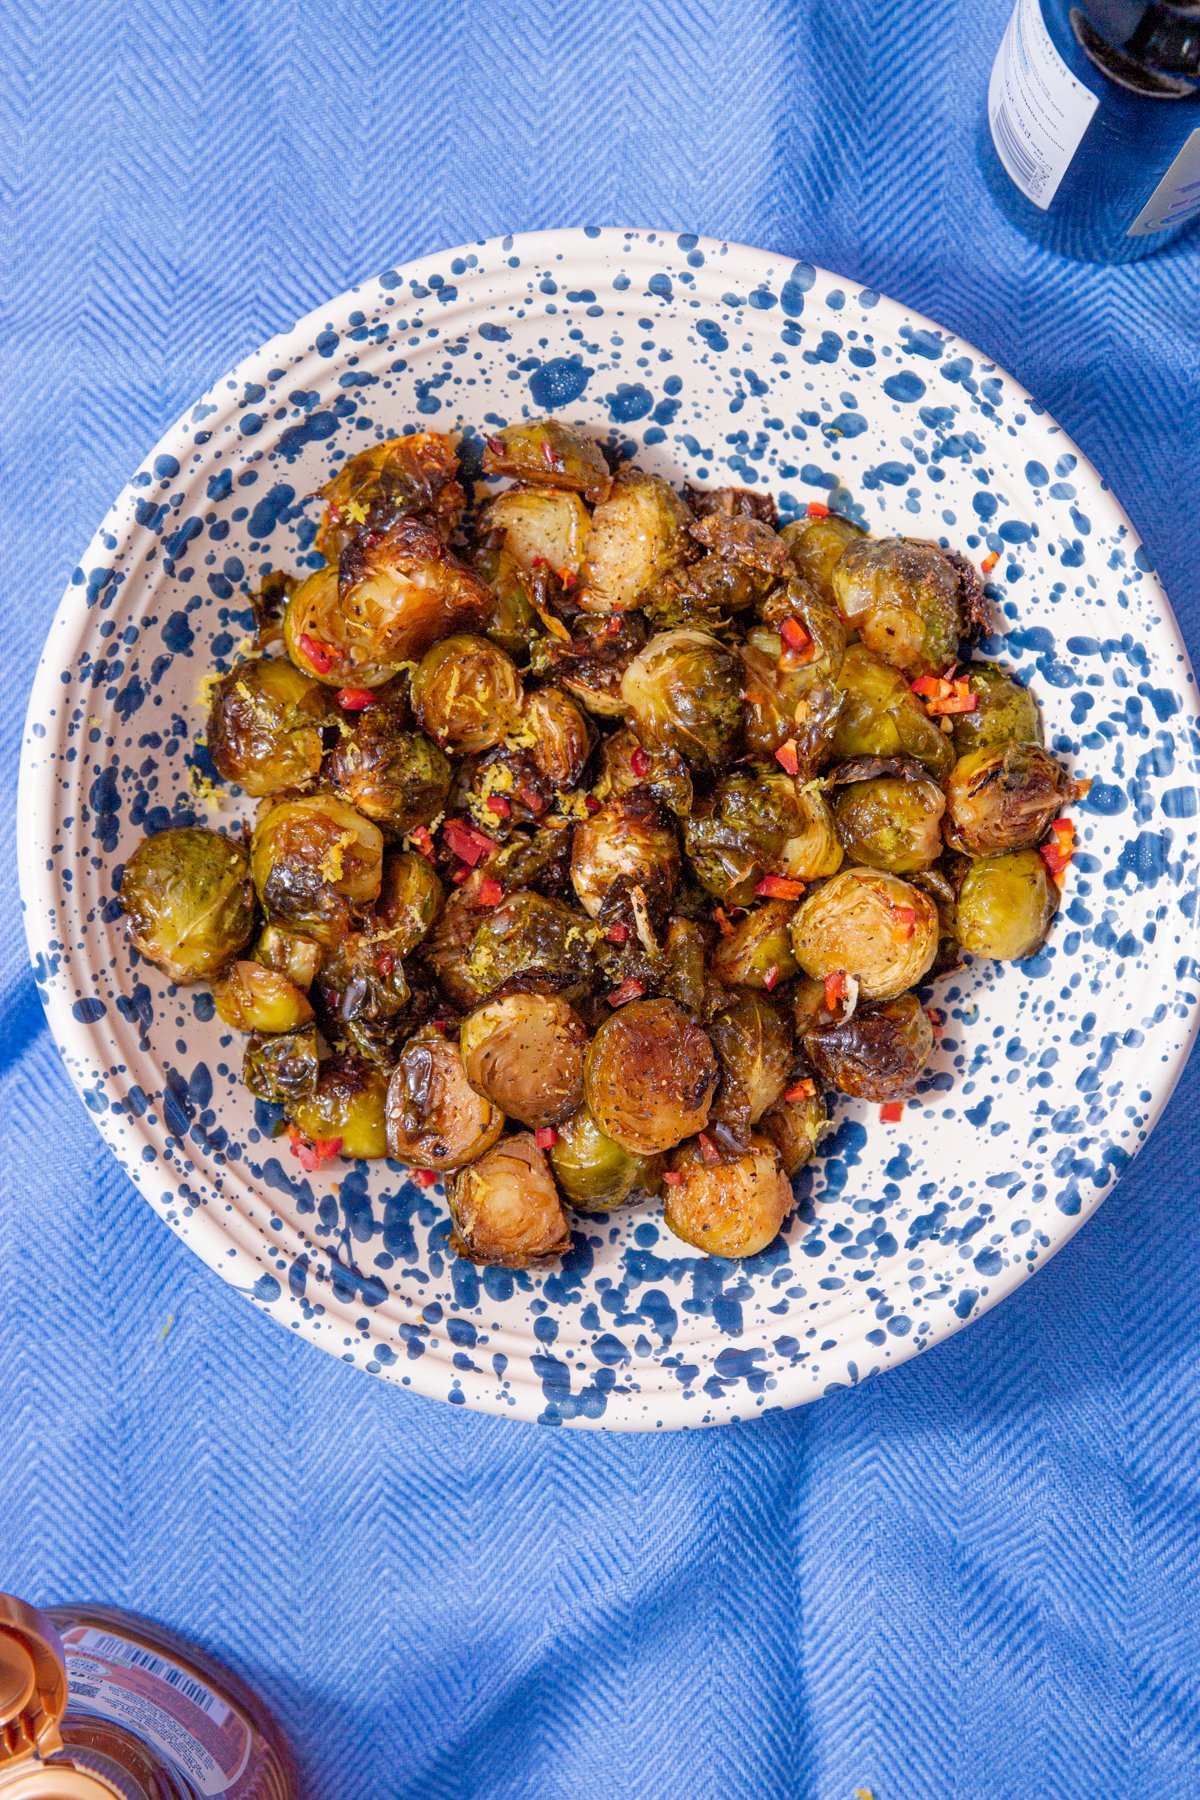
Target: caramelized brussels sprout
[[794, 1127], [730, 503], [783, 704], [870, 925], [316, 639], [435, 1118], [393, 776], [348, 1105], [1005, 906], [525, 1052], [562, 741], [624, 765], [758, 950], [730, 1202], [506, 1209], [282, 1067], [704, 594], [410, 899], [631, 837], [877, 1053], [1004, 797], [891, 822], [683, 692], [592, 664], [738, 538], [754, 1047], [540, 859], [187, 896], [530, 944], [403, 591], [513, 622], [594, 1172], [449, 940], [883, 717], [264, 726], [288, 953], [901, 596], [313, 861], [816, 546], [466, 693], [252, 997], [401, 477], [649, 1076], [637, 533], [363, 993], [548, 452], [1005, 712], [541, 526], [757, 823]]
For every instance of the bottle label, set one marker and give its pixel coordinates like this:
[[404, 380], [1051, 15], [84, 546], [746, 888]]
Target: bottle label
[[1038, 110], [1177, 196], [207, 1741]]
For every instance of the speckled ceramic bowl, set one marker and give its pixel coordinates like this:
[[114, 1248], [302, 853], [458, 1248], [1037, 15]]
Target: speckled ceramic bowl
[[714, 363]]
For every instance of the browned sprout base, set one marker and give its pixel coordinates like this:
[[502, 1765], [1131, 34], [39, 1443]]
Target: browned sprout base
[[597, 826]]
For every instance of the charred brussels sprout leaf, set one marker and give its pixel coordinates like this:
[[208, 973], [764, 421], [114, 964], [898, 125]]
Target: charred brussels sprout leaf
[[592, 664], [877, 1053], [594, 1172], [466, 693], [435, 1118], [1005, 712], [891, 822], [650, 1075], [1005, 906], [252, 997], [870, 925], [264, 726], [400, 593], [683, 692], [512, 621], [506, 1209], [757, 953], [525, 1052], [639, 532], [187, 896], [288, 953], [394, 776], [314, 860], [731, 1202], [730, 503], [529, 944], [1004, 798], [410, 899], [794, 1127], [282, 1068], [348, 1106], [757, 823], [901, 596], [548, 452], [754, 1047], [816, 546], [399, 478], [631, 837], [363, 993], [541, 527], [881, 716]]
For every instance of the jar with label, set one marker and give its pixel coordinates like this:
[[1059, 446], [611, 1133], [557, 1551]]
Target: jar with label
[[1091, 138], [97, 1704]]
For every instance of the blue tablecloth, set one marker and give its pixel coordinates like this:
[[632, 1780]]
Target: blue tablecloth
[[975, 1577]]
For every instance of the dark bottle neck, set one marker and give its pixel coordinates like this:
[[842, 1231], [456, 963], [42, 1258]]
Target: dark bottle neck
[[1152, 50]]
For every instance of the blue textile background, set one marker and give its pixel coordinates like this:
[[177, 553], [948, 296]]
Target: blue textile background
[[977, 1576]]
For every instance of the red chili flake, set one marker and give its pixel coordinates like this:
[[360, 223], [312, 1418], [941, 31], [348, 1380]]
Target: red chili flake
[[787, 758], [547, 453], [536, 804], [386, 962], [354, 699], [567, 577], [545, 1137], [612, 626], [490, 892], [496, 803], [630, 989], [936, 1019], [779, 887], [835, 989], [942, 696], [459, 875], [892, 1112], [495, 445], [469, 845], [318, 655], [423, 1177], [639, 762], [770, 978], [724, 922], [817, 509], [618, 933], [591, 802], [422, 841], [801, 1090], [313, 1153], [989, 562], [708, 1150], [672, 1177], [1058, 854], [799, 647], [906, 920]]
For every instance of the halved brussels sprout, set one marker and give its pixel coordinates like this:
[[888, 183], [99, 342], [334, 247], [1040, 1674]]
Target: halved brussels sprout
[[868, 924], [392, 775], [1006, 905], [539, 859], [445, 949], [739, 538], [251, 997], [466, 693], [891, 822], [783, 706], [757, 823], [403, 591], [1005, 712], [348, 1105], [816, 546], [363, 994], [562, 741], [625, 765], [512, 622], [264, 726], [593, 1170], [901, 596], [506, 1209], [794, 1127], [531, 944], [403, 476], [758, 950], [525, 1052], [435, 1118], [592, 665], [730, 503], [877, 1053], [650, 1076], [313, 861], [704, 594], [188, 898], [289, 953], [631, 837], [883, 717], [637, 533], [730, 1202], [282, 1067], [318, 643], [410, 898], [754, 1047], [1004, 797], [548, 452], [683, 692], [542, 526]]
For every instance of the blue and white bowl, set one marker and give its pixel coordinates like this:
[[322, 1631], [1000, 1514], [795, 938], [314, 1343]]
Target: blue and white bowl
[[716, 364]]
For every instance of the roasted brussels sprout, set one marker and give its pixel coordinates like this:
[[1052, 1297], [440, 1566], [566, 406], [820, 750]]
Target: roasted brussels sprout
[[542, 527], [755, 1051], [531, 944], [738, 538], [883, 717], [592, 664], [282, 1067], [264, 726], [684, 693], [251, 997], [624, 765], [631, 837], [1005, 712], [649, 1076], [512, 622], [410, 899], [435, 1118], [562, 742], [403, 591], [890, 821], [288, 953], [402, 477], [347, 1107], [189, 901], [637, 533], [525, 1052], [731, 503], [594, 1172], [870, 925], [466, 693], [758, 823], [1004, 797], [1005, 905], [317, 639], [506, 1209], [901, 596], [794, 1127], [313, 861], [729, 1201], [705, 594], [878, 1052], [363, 993], [548, 452], [394, 776], [816, 546], [757, 953], [445, 949]]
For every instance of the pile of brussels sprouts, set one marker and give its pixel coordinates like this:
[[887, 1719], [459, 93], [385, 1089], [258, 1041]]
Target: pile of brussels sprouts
[[598, 827]]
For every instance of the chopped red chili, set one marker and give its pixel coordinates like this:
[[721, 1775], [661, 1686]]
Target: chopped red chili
[[771, 977], [465, 842], [989, 562], [708, 1149], [319, 655], [490, 892], [906, 921], [639, 762], [779, 887], [354, 699], [787, 758], [591, 802], [630, 989], [893, 1111], [835, 989], [672, 1177], [313, 1153], [806, 1089], [817, 509], [496, 803], [1058, 854], [545, 1137], [618, 933], [423, 1177], [422, 841]]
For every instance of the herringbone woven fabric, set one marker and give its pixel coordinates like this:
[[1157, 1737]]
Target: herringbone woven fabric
[[976, 1577]]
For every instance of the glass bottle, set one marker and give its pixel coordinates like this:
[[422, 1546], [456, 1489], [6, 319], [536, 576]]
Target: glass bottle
[[1091, 134], [96, 1704]]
